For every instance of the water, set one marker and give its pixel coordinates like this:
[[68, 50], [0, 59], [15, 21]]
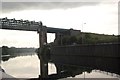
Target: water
[[27, 65]]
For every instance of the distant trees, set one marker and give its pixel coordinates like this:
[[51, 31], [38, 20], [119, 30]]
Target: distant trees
[[119, 38], [12, 50], [89, 38], [5, 50], [69, 40]]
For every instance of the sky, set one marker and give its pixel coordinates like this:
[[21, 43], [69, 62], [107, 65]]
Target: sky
[[100, 16]]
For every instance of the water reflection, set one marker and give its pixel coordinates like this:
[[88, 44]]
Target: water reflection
[[22, 66], [12, 52], [27, 65], [8, 56]]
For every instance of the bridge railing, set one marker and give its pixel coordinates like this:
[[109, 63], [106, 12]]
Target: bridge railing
[[26, 25], [13, 22]]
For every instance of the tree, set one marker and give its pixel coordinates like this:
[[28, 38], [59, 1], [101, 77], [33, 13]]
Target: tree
[[5, 50]]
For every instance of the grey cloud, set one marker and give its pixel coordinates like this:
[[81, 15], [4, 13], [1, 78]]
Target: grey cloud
[[119, 18], [16, 6]]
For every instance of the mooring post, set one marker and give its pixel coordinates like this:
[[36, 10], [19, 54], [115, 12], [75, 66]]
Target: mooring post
[[42, 31]]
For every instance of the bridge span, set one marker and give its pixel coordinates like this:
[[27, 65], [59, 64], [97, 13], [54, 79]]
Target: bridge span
[[26, 25]]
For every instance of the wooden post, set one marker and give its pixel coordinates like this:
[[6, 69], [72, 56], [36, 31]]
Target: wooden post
[[43, 41]]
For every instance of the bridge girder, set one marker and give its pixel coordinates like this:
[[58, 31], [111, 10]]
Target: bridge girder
[[25, 25]]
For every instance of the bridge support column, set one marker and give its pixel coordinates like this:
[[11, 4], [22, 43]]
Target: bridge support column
[[42, 41]]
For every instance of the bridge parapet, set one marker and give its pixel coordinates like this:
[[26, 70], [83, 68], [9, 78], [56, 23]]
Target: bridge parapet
[[26, 25], [19, 24], [11, 22]]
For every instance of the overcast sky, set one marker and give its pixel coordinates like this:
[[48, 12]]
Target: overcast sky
[[100, 17]]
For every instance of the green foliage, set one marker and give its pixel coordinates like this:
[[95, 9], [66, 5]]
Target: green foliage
[[73, 39], [65, 40], [89, 38], [69, 40]]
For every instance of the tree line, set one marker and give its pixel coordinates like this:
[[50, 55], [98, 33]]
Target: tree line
[[6, 50], [89, 38]]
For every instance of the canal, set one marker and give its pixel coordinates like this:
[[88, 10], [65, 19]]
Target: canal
[[26, 65]]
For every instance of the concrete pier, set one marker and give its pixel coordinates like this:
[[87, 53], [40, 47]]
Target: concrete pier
[[42, 31]]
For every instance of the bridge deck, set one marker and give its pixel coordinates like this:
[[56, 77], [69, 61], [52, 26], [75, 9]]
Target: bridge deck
[[26, 25]]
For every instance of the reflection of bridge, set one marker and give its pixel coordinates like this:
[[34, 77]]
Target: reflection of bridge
[[101, 56]]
